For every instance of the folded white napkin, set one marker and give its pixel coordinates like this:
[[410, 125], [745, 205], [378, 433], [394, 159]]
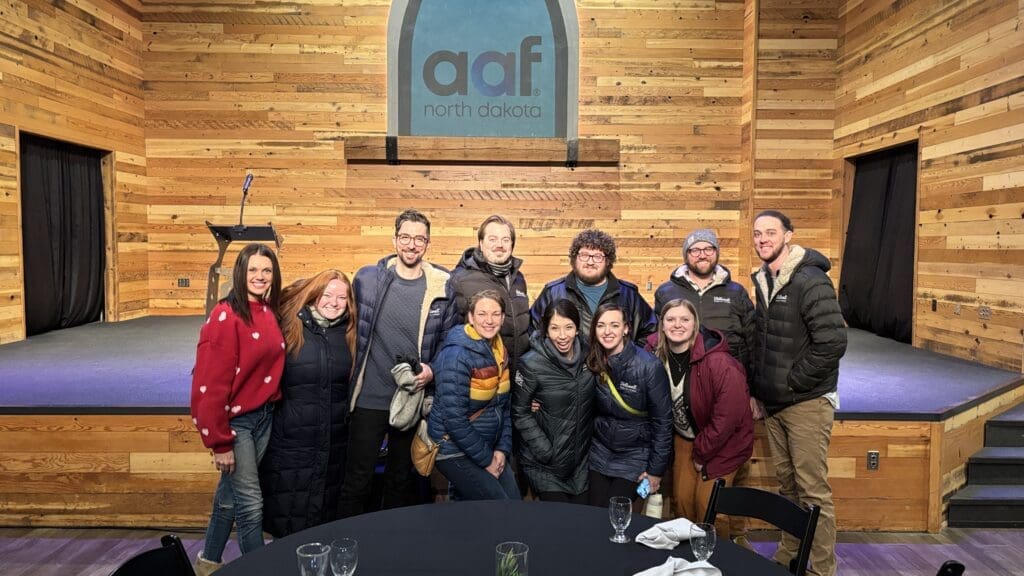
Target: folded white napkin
[[674, 566], [666, 535]]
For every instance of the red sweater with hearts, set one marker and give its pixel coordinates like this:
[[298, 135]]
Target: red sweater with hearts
[[238, 369]]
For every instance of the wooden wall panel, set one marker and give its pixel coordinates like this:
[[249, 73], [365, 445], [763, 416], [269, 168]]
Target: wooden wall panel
[[951, 75], [12, 311], [103, 471], [794, 166], [72, 71], [277, 94]]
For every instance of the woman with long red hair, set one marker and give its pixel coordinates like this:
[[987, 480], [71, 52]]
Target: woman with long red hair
[[303, 469]]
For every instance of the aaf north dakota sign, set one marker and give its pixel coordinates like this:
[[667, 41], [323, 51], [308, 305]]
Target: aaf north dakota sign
[[506, 68]]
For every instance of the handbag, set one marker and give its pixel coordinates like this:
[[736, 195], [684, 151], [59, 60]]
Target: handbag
[[424, 450]]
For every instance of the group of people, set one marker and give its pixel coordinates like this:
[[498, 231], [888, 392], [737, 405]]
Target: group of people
[[588, 391]]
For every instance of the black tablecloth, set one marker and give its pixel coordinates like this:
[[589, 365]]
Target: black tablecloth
[[459, 539]]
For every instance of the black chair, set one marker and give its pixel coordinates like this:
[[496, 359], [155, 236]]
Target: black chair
[[168, 560], [777, 510], [951, 568]]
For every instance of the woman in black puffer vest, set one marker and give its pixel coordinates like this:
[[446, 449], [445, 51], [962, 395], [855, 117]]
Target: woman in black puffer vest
[[302, 472], [554, 441]]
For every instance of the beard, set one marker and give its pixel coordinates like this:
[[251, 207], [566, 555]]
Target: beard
[[774, 255]]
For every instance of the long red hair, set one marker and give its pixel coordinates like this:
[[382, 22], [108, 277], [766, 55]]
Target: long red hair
[[306, 292]]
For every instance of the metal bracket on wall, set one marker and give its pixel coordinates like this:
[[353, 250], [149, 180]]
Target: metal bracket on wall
[[391, 149], [572, 152]]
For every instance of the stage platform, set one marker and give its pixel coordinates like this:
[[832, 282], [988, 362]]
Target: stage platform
[[94, 429]]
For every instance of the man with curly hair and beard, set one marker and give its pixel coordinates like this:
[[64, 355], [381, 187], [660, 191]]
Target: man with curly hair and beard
[[591, 283]]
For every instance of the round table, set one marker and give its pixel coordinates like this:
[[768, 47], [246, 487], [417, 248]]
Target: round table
[[458, 538]]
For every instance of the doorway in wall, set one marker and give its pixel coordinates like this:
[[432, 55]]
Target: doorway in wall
[[62, 233], [876, 286]]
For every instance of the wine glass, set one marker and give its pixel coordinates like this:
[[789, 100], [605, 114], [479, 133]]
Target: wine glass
[[344, 556], [620, 512], [702, 540]]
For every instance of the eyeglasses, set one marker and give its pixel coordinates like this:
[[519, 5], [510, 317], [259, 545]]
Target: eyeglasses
[[707, 251], [595, 258], [405, 239]]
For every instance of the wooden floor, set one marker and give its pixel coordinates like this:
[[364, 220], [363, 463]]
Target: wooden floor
[[96, 551]]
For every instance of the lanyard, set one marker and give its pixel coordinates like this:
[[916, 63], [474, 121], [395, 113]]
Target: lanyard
[[618, 397]]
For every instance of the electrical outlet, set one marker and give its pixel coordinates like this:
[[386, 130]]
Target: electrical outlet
[[872, 459], [182, 282]]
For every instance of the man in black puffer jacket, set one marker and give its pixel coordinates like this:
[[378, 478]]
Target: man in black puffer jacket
[[799, 338], [491, 266]]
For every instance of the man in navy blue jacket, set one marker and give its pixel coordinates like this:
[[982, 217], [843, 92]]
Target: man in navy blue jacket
[[404, 306], [591, 283]]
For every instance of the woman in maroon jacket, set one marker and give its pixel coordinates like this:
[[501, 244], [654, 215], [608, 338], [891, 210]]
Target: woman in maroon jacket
[[710, 409]]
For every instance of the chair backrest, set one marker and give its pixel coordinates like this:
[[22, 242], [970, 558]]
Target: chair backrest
[[951, 568], [169, 559], [778, 511]]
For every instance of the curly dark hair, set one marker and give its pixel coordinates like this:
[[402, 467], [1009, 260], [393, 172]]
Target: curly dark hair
[[595, 240]]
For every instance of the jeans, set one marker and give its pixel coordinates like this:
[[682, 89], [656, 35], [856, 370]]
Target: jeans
[[238, 498], [471, 482], [799, 437], [366, 431]]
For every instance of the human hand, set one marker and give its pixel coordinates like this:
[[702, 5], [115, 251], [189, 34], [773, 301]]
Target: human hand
[[654, 481], [424, 377], [534, 406], [225, 462], [497, 464], [756, 409]]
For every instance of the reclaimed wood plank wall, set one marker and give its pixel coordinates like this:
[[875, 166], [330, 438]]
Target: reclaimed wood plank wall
[[73, 71], [951, 76], [277, 92]]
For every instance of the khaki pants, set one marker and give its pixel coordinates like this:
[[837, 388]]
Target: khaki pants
[[799, 437], [691, 493], [738, 524]]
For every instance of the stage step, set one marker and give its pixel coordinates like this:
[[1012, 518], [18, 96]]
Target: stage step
[[987, 506], [1007, 429], [996, 465]]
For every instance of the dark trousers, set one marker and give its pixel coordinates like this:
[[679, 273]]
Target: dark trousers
[[602, 488], [563, 497], [366, 431]]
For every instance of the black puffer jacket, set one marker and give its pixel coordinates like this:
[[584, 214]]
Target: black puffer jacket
[[799, 333], [724, 306], [626, 445], [554, 442], [469, 277], [302, 471], [639, 315]]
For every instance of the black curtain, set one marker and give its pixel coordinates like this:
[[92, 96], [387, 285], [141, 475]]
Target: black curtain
[[62, 230], [877, 282]]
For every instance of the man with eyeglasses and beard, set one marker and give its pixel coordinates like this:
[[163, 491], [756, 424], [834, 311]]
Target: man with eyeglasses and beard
[[721, 304], [404, 305], [591, 283]]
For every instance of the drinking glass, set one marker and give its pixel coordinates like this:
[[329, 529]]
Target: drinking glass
[[313, 559], [702, 540], [620, 512], [510, 559], [344, 556]]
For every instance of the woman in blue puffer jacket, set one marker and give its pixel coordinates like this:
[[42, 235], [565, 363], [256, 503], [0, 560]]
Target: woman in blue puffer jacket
[[633, 428], [470, 414]]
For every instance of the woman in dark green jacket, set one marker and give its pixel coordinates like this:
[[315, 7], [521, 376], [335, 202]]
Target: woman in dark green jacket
[[554, 441]]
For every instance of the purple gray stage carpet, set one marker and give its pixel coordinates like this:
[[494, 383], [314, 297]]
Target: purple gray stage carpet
[[143, 366]]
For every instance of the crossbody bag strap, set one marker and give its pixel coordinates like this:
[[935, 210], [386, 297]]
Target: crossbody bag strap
[[618, 397]]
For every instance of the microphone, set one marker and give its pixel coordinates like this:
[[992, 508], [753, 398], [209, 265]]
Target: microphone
[[245, 194]]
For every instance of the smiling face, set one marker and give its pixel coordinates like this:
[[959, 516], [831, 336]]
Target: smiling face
[[701, 259], [259, 275], [590, 266], [562, 333], [486, 317], [496, 245], [334, 301], [770, 238], [411, 243], [611, 331], [677, 324]]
